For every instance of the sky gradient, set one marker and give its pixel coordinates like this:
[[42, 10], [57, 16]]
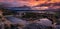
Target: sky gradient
[[28, 2], [33, 4]]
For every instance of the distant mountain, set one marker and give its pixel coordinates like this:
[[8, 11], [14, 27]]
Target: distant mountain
[[18, 8]]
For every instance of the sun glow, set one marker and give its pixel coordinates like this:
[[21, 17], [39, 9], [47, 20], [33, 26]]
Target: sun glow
[[30, 2], [34, 2]]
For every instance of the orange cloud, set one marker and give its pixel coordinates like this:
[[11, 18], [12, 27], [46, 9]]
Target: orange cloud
[[38, 2], [31, 2]]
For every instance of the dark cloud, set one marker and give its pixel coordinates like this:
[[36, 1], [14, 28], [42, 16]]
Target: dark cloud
[[49, 4], [4, 4], [56, 4]]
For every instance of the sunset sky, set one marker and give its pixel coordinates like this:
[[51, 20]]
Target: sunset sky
[[28, 2], [33, 4]]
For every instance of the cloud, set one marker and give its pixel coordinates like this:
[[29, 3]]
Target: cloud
[[19, 3], [14, 3]]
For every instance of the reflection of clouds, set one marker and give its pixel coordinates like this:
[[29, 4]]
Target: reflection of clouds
[[45, 21], [15, 20]]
